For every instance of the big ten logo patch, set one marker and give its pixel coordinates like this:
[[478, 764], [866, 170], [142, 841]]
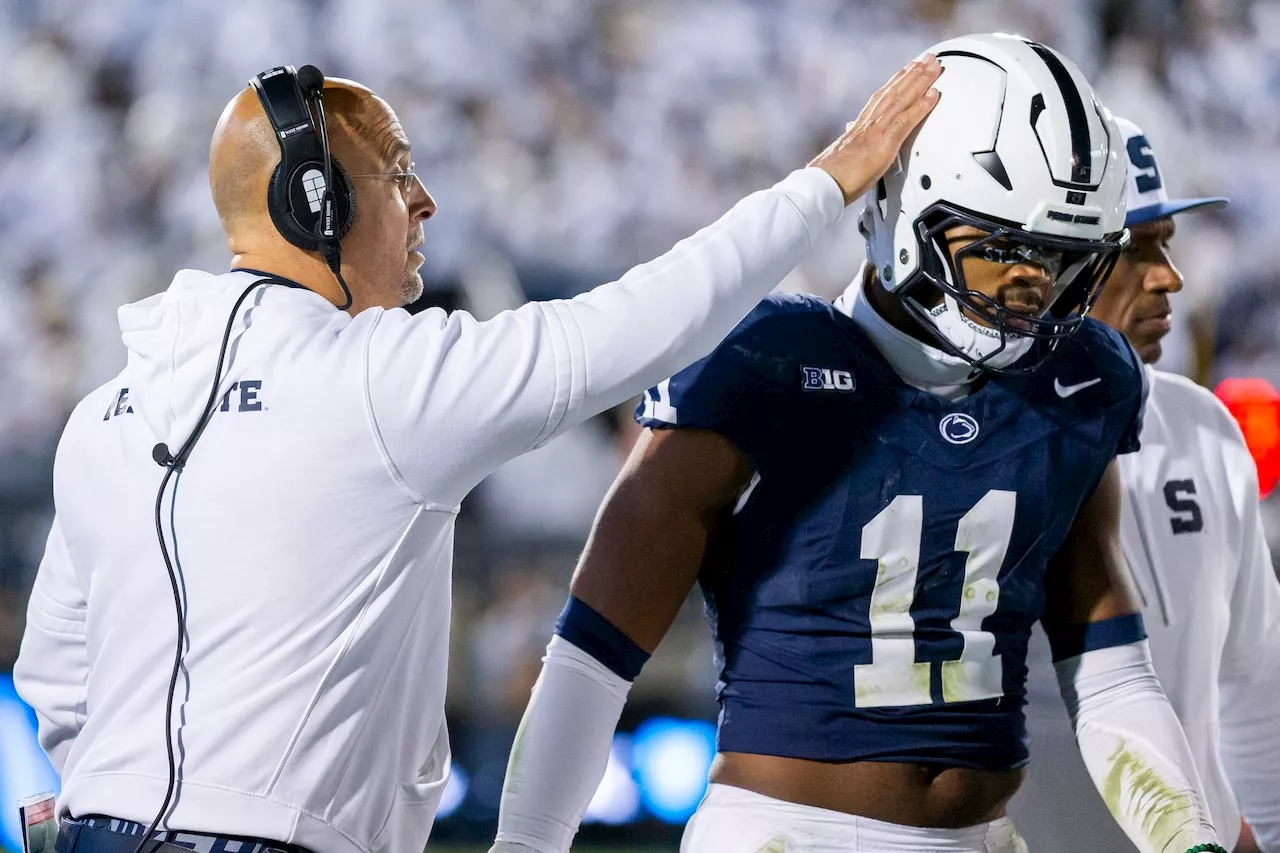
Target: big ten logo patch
[[826, 379]]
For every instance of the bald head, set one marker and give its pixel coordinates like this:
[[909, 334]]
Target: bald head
[[379, 261], [363, 135], [241, 157]]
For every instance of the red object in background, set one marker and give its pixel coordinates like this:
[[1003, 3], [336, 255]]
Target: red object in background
[[1256, 407]]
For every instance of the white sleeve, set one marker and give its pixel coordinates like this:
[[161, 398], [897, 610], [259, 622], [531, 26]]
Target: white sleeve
[[1249, 679], [52, 670], [560, 751], [451, 398], [1134, 748]]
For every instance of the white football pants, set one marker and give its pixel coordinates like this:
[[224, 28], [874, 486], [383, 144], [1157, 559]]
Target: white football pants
[[734, 820]]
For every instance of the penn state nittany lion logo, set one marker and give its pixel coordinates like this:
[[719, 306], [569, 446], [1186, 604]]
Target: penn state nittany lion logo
[[958, 428]]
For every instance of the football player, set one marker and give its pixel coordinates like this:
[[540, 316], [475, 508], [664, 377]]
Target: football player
[[1192, 534], [879, 497]]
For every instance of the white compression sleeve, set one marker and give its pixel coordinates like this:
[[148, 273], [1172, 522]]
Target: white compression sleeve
[[1249, 680], [560, 750], [1250, 747], [1134, 748]]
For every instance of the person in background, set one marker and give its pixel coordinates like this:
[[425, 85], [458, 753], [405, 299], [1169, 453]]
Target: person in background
[[1192, 534]]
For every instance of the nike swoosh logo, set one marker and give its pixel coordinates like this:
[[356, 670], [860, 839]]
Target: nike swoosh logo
[[1065, 391]]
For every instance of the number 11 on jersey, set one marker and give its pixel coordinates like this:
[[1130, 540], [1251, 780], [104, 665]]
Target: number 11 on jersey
[[894, 677]]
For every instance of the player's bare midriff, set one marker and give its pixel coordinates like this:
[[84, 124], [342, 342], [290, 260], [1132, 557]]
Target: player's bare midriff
[[909, 794]]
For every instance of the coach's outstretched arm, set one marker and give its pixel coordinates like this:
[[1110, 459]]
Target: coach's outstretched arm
[[451, 398]]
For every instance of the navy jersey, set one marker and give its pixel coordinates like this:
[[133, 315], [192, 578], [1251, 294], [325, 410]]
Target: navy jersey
[[873, 595]]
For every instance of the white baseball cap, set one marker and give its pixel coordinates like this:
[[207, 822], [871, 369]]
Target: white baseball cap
[[1144, 185]]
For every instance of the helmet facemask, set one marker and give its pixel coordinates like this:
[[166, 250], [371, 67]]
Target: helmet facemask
[[979, 328]]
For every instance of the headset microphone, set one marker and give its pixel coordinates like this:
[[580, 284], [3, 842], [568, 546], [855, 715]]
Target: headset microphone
[[311, 82]]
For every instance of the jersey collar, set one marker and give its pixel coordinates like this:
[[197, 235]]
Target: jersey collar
[[919, 365]]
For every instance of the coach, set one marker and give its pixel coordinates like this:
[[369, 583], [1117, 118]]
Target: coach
[[309, 531]]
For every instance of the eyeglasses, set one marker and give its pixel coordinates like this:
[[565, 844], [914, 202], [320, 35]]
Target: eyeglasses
[[404, 179], [1048, 260]]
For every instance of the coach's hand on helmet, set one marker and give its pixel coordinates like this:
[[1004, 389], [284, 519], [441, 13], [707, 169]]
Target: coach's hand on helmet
[[871, 142]]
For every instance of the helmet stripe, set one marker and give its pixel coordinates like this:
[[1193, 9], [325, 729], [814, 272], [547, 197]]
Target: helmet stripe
[[1077, 116]]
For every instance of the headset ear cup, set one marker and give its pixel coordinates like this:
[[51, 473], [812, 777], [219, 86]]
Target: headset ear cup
[[286, 198], [283, 218]]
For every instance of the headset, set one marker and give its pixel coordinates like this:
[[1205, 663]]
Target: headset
[[310, 196], [312, 205]]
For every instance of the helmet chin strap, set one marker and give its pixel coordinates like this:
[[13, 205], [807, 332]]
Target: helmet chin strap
[[919, 364], [976, 341]]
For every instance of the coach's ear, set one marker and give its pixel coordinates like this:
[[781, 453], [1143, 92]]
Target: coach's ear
[[653, 531], [1088, 579]]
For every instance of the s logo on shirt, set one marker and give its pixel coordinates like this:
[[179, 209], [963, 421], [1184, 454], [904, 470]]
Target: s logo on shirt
[[1187, 518]]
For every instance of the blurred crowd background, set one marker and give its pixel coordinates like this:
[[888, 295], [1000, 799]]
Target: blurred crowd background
[[565, 140]]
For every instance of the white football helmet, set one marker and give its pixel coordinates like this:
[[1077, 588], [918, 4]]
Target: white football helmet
[[1019, 147]]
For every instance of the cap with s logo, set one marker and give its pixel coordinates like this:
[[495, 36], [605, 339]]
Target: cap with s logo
[[1148, 200]]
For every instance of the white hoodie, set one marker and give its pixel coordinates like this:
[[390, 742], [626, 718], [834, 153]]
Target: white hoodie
[[314, 527]]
